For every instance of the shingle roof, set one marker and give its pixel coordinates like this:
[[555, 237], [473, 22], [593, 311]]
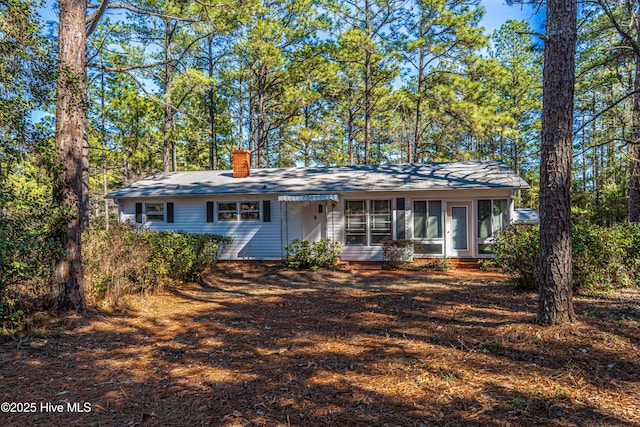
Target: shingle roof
[[332, 179]]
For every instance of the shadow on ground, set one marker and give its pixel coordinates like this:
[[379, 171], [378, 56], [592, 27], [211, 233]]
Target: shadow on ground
[[271, 347]]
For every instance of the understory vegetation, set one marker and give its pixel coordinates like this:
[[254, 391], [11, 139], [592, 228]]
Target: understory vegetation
[[604, 258], [127, 259], [306, 255], [122, 260]]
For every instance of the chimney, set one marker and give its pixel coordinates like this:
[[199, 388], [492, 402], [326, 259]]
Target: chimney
[[241, 163]]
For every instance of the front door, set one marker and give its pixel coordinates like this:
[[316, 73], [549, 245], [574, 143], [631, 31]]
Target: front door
[[314, 221], [458, 230]]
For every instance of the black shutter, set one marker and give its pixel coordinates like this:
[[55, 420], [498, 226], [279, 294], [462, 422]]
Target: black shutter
[[209, 211], [400, 228], [170, 212], [139, 212], [266, 211]]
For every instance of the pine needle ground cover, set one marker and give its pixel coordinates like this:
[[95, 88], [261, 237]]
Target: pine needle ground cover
[[256, 345]]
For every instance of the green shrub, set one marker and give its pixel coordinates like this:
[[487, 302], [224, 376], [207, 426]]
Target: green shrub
[[397, 253], [517, 252], [606, 257], [183, 256], [303, 254], [127, 259], [27, 251], [439, 264], [603, 257]]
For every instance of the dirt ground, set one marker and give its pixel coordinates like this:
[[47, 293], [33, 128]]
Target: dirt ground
[[256, 345]]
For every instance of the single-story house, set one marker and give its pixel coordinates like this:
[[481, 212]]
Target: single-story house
[[448, 209]]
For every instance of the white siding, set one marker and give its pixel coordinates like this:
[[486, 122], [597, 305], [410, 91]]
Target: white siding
[[260, 240], [251, 239]]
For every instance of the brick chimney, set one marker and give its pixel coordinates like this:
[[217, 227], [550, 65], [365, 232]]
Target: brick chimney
[[241, 163]]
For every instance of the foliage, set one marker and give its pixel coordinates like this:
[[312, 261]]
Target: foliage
[[127, 259], [302, 254], [183, 256], [603, 257], [396, 253], [606, 257], [439, 264], [517, 252]]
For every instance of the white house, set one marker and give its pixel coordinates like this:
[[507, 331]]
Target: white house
[[449, 209]]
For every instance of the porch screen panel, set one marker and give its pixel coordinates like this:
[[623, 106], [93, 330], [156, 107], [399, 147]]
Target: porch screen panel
[[434, 221], [484, 219], [419, 219], [500, 214], [380, 221], [356, 222], [493, 216], [427, 219]]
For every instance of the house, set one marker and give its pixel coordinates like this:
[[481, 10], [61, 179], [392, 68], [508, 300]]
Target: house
[[449, 209]]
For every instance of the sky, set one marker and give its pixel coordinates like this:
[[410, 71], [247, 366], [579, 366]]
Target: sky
[[497, 12]]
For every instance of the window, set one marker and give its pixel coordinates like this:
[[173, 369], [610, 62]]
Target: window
[[368, 227], [154, 211], [493, 215], [238, 211], [250, 211], [427, 226], [228, 211], [427, 219], [356, 222], [380, 221]]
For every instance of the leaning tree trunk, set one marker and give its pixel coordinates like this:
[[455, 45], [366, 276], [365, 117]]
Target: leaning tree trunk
[[555, 300], [71, 137]]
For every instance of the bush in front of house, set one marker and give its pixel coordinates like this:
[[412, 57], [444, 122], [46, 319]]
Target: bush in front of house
[[603, 257], [183, 256], [397, 253], [517, 252], [127, 259], [302, 254]]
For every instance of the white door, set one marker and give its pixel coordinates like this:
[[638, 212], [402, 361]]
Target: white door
[[458, 230], [314, 221]]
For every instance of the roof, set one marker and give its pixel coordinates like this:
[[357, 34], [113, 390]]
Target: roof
[[329, 179], [525, 216]]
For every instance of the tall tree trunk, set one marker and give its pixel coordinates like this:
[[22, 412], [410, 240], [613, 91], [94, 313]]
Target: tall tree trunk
[[103, 137], [240, 114], [417, 137], [367, 89], [168, 147], [555, 304], [634, 148], [261, 126], [71, 138], [213, 143], [350, 127]]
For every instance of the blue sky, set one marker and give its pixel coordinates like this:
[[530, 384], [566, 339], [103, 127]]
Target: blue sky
[[497, 12]]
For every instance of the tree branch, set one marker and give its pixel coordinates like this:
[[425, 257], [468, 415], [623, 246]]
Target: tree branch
[[93, 19], [600, 113]]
